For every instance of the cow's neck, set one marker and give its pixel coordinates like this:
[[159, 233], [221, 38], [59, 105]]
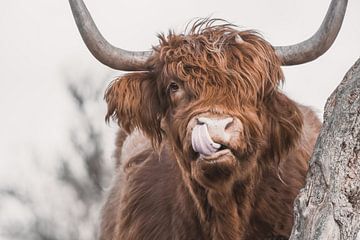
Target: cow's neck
[[224, 215]]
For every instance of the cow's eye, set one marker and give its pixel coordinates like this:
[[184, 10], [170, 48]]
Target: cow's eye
[[173, 87]]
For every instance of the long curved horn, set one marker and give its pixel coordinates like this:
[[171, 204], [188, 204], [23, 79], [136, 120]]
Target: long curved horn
[[320, 42], [102, 50]]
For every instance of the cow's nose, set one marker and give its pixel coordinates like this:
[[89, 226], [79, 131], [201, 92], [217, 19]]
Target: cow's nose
[[220, 130]]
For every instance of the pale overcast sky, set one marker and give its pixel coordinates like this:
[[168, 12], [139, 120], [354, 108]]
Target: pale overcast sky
[[39, 43]]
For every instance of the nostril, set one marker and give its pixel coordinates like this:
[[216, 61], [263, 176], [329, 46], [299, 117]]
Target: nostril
[[228, 122], [200, 120], [215, 123]]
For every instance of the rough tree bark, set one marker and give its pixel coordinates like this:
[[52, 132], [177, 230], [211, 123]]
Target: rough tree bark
[[329, 205]]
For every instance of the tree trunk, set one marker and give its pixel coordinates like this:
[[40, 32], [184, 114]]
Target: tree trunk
[[329, 205]]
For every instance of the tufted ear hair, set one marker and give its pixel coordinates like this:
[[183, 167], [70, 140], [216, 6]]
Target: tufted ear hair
[[133, 102], [285, 124]]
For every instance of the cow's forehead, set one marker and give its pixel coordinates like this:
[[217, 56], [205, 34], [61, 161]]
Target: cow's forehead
[[194, 56], [209, 41], [213, 59]]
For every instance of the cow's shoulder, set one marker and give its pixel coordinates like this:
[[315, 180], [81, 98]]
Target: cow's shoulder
[[148, 194]]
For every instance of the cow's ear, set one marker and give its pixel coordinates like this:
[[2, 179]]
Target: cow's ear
[[133, 102], [285, 124]]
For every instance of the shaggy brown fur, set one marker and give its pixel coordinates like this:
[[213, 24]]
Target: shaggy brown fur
[[166, 191]]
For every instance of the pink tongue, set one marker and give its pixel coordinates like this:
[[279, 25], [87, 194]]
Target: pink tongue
[[202, 142]]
